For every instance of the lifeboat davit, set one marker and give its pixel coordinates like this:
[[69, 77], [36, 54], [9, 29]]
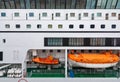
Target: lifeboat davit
[[49, 60], [93, 60]]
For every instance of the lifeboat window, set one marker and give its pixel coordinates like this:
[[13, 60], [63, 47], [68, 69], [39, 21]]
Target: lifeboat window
[[3, 14], [113, 26], [92, 26], [28, 25], [71, 26], [7, 26], [102, 26]]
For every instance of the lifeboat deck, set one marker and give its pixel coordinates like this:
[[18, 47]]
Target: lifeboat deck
[[108, 72]]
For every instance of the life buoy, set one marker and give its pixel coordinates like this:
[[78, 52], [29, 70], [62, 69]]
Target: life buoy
[[22, 80]]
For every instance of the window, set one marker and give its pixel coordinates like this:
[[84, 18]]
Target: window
[[113, 26], [59, 51], [31, 14], [28, 25], [57, 14], [107, 16], [4, 40], [7, 26], [50, 26], [113, 14], [99, 14], [72, 14], [66, 16], [60, 26], [92, 26], [16, 14], [17, 25], [71, 26], [85, 14], [51, 51], [44, 14], [3, 14], [102, 26], [1, 56], [92, 16], [39, 26], [79, 16], [81, 26], [118, 16], [43, 51]]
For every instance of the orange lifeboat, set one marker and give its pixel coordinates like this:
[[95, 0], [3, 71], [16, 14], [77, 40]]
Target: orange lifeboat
[[94, 60], [48, 60]]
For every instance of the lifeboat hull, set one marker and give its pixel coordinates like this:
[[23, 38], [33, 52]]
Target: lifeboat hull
[[88, 65], [47, 61]]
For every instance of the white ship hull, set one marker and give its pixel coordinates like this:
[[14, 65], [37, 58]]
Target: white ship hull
[[78, 64]]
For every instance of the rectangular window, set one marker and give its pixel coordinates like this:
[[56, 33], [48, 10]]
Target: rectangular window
[[1, 56], [28, 25], [3, 14], [113, 26], [72, 14], [81, 26], [39, 26], [50, 26], [57, 14], [99, 14], [71, 26], [7, 26], [85, 14], [16, 14], [102, 26], [113, 14], [59, 41], [44, 14], [60, 26], [17, 25], [92, 26], [31, 14]]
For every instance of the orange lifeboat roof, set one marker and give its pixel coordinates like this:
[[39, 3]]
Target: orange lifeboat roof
[[95, 58], [48, 60]]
